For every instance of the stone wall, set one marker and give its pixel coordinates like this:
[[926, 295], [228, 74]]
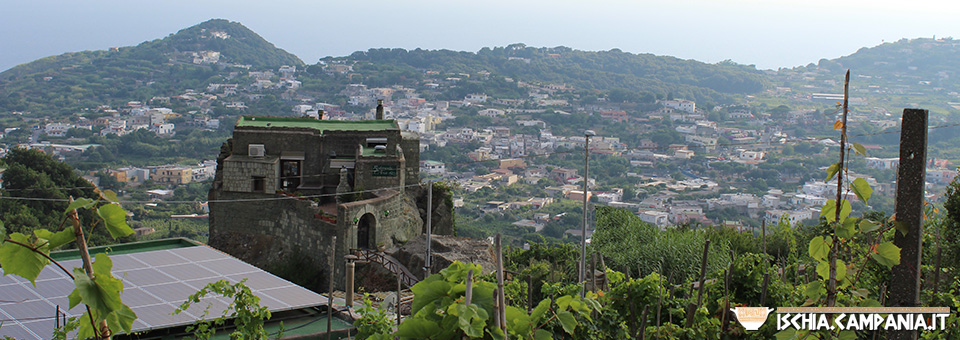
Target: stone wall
[[239, 173]]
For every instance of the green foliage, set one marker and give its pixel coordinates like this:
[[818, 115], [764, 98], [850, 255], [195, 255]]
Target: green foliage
[[246, 312], [34, 174], [96, 288], [604, 70], [440, 311], [627, 241], [372, 320]]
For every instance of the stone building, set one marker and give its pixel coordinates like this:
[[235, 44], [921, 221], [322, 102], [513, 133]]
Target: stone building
[[285, 186]]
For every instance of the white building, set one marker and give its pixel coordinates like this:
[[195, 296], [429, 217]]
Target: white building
[[476, 98], [680, 104], [491, 112], [433, 167], [657, 218]]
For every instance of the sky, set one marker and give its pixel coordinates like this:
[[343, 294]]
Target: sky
[[767, 33]]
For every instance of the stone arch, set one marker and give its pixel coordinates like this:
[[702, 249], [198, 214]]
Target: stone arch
[[367, 231]]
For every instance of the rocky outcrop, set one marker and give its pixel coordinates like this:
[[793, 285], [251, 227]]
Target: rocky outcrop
[[446, 249]]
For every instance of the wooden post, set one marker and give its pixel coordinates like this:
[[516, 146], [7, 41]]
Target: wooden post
[[643, 322], [496, 309], [501, 299], [529, 293], [468, 295], [936, 272], [904, 277], [427, 261], [763, 292], [593, 271], [333, 256], [691, 309], [633, 319], [398, 300], [835, 245], [763, 234]]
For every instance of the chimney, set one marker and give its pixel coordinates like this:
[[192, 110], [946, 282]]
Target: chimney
[[320, 115], [379, 109]]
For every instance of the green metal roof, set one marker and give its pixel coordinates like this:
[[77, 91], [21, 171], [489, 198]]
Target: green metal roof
[[127, 248], [322, 125]]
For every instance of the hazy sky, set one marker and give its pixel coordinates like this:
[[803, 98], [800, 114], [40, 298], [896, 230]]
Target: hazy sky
[[767, 33]]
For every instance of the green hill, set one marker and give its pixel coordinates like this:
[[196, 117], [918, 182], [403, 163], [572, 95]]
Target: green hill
[[603, 71], [65, 83]]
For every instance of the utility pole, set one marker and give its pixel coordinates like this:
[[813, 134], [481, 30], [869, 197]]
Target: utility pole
[[583, 235]]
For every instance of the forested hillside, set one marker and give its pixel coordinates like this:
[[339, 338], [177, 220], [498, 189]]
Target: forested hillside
[[70, 82], [604, 70]]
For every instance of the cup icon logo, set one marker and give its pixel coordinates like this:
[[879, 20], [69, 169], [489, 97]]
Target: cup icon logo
[[751, 317]]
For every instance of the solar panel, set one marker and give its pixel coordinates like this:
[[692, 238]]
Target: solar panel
[[187, 271], [158, 258], [155, 282], [144, 277], [54, 288], [12, 294], [17, 331], [138, 297], [173, 293]]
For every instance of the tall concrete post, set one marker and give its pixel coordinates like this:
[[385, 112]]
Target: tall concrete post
[[351, 268], [905, 277]]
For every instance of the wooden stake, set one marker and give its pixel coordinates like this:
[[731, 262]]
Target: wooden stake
[[763, 292], [835, 246], [763, 234], [643, 322], [501, 299], [691, 308], [333, 257]]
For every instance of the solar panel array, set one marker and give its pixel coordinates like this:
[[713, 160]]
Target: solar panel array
[[155, 283]]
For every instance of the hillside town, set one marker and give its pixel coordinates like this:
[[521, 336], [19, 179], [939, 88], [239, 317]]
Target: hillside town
[[663, 189]]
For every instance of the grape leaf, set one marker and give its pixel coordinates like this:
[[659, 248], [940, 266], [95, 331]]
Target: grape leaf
[[829, 210], [542, 335], [55, 240], [121, 319], [568, 322], [115, 219], [80, 203], [109, 195], [823, 269], [22, 261], [862, 189], [832, 171], [846, 229], [868, 225], [887, 254], [845, 209], [102, 292], [819, 248], [859, 149], [837, 125]]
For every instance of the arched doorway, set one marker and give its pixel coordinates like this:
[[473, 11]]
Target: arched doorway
[[366, 231]]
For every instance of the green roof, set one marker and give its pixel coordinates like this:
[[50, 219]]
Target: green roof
[[127, 248], [322, 125]]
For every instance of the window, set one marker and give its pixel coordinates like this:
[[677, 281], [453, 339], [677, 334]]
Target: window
[[259, 183]]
